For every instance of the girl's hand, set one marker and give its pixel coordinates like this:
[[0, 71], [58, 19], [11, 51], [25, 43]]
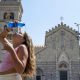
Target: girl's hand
[[5, 32]]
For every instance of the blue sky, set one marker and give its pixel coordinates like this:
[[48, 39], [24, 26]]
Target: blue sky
[[42, 15]]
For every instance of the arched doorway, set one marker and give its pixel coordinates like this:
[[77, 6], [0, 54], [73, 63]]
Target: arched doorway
[[63, 73], [39, 74]]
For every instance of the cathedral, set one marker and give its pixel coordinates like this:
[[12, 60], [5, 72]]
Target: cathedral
[[59, 58]]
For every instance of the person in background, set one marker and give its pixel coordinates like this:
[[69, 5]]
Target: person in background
[[19, 58]]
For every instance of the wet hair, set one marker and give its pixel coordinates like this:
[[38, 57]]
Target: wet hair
[[30, 68]]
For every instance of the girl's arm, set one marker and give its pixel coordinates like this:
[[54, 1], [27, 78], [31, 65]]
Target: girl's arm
[[19, 58]]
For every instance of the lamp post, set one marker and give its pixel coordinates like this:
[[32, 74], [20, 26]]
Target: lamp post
[[79, 52]]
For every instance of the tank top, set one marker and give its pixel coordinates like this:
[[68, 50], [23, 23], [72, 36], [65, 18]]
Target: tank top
[[7, 62]]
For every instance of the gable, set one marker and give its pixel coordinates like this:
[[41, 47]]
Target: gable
[[59, 35], [61, 26]]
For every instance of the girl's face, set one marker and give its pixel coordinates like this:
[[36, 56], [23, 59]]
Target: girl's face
[[18, 38]]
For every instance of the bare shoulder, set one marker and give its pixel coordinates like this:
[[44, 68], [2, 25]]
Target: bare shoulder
[[22, 46], [22, 49]]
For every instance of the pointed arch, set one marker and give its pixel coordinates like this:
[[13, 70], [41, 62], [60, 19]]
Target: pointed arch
[[5, 27], [11, 15], [5, 15], [63, 57], [39, 71]]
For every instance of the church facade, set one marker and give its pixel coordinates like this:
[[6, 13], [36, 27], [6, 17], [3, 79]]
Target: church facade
[[59, 58]]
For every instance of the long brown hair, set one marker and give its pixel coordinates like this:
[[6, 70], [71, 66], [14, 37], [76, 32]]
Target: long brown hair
[[30, 68]]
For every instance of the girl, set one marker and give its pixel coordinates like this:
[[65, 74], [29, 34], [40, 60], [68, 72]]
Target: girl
[[19, 58]]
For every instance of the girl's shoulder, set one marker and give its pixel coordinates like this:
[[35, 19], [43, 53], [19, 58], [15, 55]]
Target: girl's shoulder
[[20, 47], [22, 50]]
